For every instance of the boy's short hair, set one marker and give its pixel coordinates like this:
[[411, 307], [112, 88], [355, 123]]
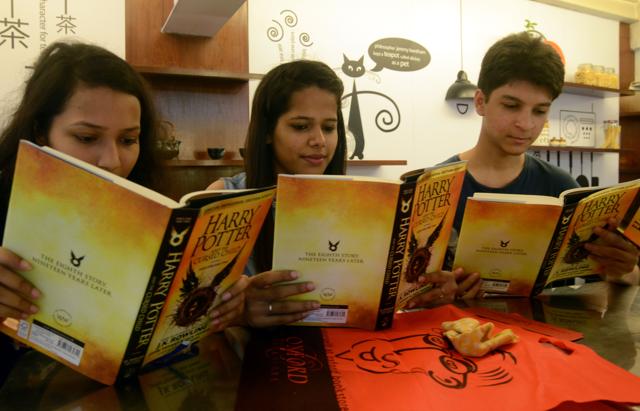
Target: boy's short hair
[[521, 57]]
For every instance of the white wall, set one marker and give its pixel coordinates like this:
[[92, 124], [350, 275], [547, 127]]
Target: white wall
[[34, 24], [431, 130]]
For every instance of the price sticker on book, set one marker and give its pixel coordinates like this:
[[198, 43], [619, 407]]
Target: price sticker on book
[[495, 286], [336, 314], [56, 342]]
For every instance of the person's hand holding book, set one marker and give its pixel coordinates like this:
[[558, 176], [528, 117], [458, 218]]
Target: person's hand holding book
[[231, 310], [468, 284], [617, 257], [266, 305], [16, 293], [443, 291]]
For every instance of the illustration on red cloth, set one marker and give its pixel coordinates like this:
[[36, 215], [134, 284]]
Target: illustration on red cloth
[[414, 366], [430, 354]]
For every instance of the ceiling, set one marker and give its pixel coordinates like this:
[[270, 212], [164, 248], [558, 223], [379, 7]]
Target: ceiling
[[627, 11]]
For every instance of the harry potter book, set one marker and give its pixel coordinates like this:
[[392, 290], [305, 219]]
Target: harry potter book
[[126, 274], [521, 243], [354, 237]]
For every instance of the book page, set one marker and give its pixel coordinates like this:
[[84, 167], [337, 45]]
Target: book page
[[518, 198]]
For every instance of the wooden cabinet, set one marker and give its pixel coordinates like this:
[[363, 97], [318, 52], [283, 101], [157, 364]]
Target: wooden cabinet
[[629, 116], [200, 85]]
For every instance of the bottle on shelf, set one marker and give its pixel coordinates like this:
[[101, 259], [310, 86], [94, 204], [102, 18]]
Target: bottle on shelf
[[612, 78], [601, 77], [585, 74]]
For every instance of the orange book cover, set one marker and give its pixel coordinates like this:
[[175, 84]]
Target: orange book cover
[[619, 201], [336, 231], [506, 242], [435, 200], [521, 243], [349, 235], [96, 242], [218, 249]]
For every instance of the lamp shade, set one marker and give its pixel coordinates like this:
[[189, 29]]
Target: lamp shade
[[461, 89]]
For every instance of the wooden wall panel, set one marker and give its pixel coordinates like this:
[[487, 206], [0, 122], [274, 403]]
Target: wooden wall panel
[[207, 111], [627, 61], [630, 136], [147, 46]]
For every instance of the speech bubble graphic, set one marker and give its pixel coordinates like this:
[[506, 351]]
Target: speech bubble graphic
[[398, 54]]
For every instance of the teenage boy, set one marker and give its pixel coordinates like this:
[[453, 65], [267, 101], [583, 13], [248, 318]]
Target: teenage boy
[[519, 78]]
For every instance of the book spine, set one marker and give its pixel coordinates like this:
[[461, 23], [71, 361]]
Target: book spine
[[395, 258], [630, 213], [170, 253], [554, 247]]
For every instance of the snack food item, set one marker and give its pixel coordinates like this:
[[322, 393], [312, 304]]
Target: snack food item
[[472, 339]]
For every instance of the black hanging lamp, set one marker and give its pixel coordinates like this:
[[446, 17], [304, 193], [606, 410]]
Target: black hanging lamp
[[462, 88]]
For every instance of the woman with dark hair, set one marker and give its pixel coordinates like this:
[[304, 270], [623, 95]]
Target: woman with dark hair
[[296, 127], [89, 103]]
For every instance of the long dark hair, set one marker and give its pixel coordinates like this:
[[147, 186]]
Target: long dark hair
[[271, 100], [59, 70]]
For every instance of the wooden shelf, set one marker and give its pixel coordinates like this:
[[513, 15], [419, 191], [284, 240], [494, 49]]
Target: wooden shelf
[[196, 73], [569, 148], [592, 91], [240, 163]]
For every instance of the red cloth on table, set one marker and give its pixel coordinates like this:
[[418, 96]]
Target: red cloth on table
[[413, 367]]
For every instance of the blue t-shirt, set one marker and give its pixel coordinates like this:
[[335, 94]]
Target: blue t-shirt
[[537, 178]]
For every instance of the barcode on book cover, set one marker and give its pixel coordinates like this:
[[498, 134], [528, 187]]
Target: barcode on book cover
[[499, 286], [336, 314], [56, 342], [23, 329]]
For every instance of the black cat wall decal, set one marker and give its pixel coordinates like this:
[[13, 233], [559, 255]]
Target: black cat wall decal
[[384, 119]]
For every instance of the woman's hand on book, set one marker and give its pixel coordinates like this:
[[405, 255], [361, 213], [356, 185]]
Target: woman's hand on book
[[16, 293], [231, 310], [617, 256], [265, 302], [443, 291]]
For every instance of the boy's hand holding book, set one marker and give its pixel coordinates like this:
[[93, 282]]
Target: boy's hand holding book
[[468, 284], [16, 293], [443, 291], [617, 256]]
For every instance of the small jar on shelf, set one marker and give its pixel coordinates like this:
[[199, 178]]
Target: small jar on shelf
[[600, 75], [585, 74], [612, 78], [612, 131]]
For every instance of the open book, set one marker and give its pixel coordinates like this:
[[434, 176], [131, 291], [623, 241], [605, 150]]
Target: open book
[[127, 275], [520, 243], [364, 241]]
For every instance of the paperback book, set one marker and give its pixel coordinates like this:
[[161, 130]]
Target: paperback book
[[364, 241], [521, 243], [127, 275]]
